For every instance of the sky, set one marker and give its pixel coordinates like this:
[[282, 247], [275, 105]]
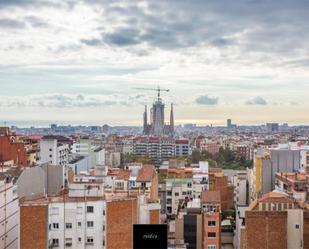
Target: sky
[[81, 62]]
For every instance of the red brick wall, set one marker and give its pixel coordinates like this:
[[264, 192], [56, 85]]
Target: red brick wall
[[154, 216], [220, 183], [12, 151], [266, 229], [33, 227], [120, 217], [306, 230], [206, 229], [154, 195]]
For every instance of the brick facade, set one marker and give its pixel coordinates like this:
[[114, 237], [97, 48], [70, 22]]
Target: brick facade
[[154, 216], [209, 228], [266, 229], [120, 217], [306, 230], [33, 227], [10, 150]]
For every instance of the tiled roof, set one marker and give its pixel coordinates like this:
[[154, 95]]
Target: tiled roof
[[146, 173], [275, 198], [123, 174]]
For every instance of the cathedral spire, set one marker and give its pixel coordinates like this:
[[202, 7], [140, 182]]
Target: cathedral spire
[[172, 120], [145, 121]]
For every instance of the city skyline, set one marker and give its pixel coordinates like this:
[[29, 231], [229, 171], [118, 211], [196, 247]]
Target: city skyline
[[81, 62]]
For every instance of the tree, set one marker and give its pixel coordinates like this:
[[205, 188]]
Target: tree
[[144, 160]]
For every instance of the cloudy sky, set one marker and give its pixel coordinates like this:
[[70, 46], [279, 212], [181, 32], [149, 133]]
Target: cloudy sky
[[75, 61]]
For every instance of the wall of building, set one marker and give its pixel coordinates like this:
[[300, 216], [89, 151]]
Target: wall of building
[[266, 229], [284, 160], [33, 226], [121, 215], [9, 216], [77, 215], [306, 229], [40, 180], [213, 216], [294, 228], [12, 151]]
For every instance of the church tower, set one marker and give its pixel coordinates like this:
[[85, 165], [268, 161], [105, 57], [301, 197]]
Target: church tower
[[172, 120]]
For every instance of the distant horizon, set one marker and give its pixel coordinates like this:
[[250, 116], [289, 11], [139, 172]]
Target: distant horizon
[[46, 124]]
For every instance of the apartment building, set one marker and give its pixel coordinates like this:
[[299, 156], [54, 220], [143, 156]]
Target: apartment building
[[266, 165], [179, 191], [182, 148], [275, 221], [86, 147], [83, 217], [198, 229], [9, 211], [219, 182], [295, 185], [135, 178], [158, 149], [54, 151], [240, 183], [11, 148]]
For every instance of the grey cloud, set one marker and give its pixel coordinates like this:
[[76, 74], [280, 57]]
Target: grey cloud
[[35, 21], [207, 100], [266, 26], [123, 37], [69, 100], [91, 42], [258, 100], [11, 24], [35, 3]]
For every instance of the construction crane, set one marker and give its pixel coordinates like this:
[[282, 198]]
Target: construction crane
[[158, 89]]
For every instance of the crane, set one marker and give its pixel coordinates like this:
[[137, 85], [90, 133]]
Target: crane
[[158, 89]]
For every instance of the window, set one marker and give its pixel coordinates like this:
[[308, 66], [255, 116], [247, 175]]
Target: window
[[79, 239], [79, 224], [80, 210], [55, 225], [55, 242], [68, 241], [211, 235], [68, 225], [211, 223], [50, 149], [176, 194], [184, 193], [89, 223], [89, 209], [104, 212], [169, 192], [211, 247], [296, 226], [89, 240], [143, 184], [55, 211], [189, 185], [50, 156]]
